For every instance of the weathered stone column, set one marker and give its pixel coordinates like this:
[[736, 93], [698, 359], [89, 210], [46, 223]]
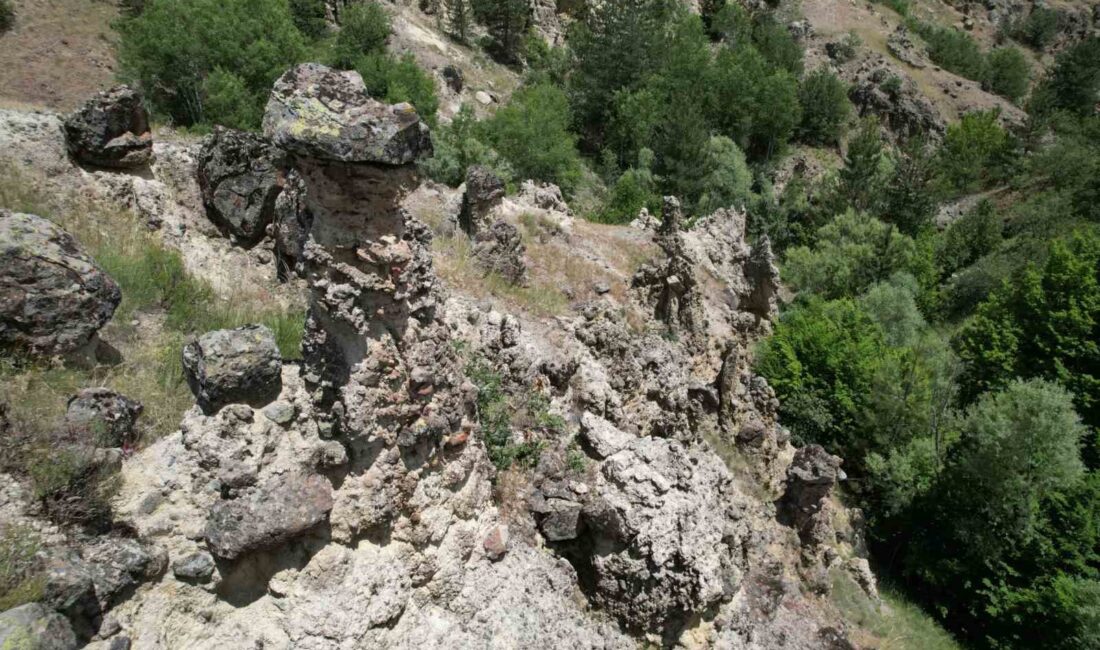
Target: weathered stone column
[[374, 347]]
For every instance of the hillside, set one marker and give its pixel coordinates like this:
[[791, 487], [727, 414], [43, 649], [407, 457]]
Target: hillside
[[507, 324]]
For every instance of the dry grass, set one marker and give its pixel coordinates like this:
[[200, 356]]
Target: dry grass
[[893, 624], [59, 53]]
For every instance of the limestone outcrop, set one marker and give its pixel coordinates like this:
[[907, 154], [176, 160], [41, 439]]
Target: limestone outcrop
[[53, 297]]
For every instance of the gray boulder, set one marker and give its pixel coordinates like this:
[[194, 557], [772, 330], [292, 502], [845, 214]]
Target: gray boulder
[[269, 515], [53, 296], [603, 437], [35, 627], [663, 538], [241, 175], [103, 417], [308, 115], [111, 130], [499, 249], [484, 191], [241, 365], [194, 567], [811, 479]]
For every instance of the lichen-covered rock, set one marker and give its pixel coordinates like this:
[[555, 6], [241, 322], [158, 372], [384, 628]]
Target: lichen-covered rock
[[499, 249], [241, 365], [53, 296], [897, 101], [241, 176], [111, 130], [663, 540], [317, 111], [484, 191], [268, 515], [103, 417], [197, 566], [35, 627]]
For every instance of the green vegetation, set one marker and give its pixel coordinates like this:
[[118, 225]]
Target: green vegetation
[[957, 369], [21, 578], [1038, 28], [1008, 73], [204, 62], [826, 108], [504, 417], [1004, 70], [7, 15]]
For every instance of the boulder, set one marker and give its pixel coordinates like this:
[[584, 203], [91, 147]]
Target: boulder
[[53, 296], [104, 417], [194, 567], [499, 249], [897, 101], [811, 479], [268, 515], [484, 191], [240, 175], [662, 534], [308, 115], [241, 365], [603, 437], [111, 130], [35, 627], [452, 76]]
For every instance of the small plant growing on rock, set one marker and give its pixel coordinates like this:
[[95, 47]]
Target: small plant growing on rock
[[7, 16], [21, 578]]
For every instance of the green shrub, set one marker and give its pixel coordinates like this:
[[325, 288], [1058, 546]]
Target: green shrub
[[229, 99], [172, 47], [852, 252], [532, 133], [968, 149], [1008, 73], [507, 22], [954, 50], [863, 174], [774, 41], [309, 18], [399, 80], [825, 107], [500, 415], [457, 146], [7, 16], [909, 199], [726, 180], [1038, 28], [900, 6], [364, 28], [1074, 82], [633, 190], [975, 234]]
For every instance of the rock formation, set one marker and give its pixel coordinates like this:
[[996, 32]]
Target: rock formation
[[53, 297], [484, 191], [241, 176], [241, 365], [103, 416], [499, 249], [111, 130]]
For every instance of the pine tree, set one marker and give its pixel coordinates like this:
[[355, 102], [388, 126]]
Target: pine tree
[[457, 19], [507, 21], [861, 179]]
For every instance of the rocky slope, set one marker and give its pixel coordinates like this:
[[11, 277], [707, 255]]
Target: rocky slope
[[350, 499]]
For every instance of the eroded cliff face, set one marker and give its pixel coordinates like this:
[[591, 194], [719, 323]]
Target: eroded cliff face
[[353, 502]]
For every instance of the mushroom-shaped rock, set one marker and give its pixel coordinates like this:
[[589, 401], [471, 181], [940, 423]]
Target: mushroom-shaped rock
[[268, 515], [320, 112], [111, 130], [53, 296], [241, 175], [241, 365], [35, 627], [104, 417]]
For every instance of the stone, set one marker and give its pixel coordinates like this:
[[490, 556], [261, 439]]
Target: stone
[[484, 191], [291, 227], [811, 479], [496, 542], [560, 519], [762, 278], [333, 454], [603, 437], [241, 365], [35, 627], [904, 49], [194, 567], [104, 417], [545, 196], [320, 112], [279, 412], [119, 643], [483, 98], [499, 249], [111, 130], [661, 534], [268, 515], [54, 298], [901, 106], [240, 175]]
